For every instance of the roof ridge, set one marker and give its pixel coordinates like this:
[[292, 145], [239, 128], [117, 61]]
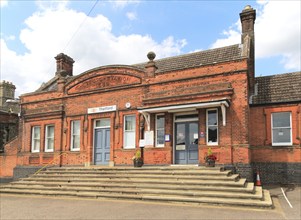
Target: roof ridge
[[188, 54], [279, 74]]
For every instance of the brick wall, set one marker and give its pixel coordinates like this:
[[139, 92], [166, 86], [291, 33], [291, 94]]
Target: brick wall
[[277, 164]]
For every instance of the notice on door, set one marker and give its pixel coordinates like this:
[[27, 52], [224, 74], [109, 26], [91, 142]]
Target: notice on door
[[180, 147]]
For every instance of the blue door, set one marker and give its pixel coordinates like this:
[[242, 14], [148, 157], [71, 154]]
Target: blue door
[[102, 146], [186, 143]]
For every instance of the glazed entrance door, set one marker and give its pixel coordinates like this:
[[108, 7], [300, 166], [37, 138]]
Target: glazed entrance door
[[186, 143], [102, 146]]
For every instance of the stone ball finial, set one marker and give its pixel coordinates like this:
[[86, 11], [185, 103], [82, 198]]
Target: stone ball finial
[[247, 7], [151, 55]]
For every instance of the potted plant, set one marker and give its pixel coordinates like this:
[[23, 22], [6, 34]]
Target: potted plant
[[210, 159], [137, 159]]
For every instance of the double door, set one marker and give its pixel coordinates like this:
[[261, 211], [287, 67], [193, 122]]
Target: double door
[[186, 143]]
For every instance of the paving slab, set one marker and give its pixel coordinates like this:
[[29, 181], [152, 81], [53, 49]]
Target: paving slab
[[41, 207]]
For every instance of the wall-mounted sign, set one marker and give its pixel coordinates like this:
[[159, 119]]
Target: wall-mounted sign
[[167, 138], [102, 109], [149, 138], [141, 143], [202, 134]]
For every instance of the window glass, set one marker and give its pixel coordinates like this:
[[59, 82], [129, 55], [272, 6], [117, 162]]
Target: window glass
[[49, 139], [186, 117], [212, 119], [130, 123], [160, 132], [75, 135], [36, 139], [129, 131], [281, 128], [103, 123], [212, 127], [281, 119]]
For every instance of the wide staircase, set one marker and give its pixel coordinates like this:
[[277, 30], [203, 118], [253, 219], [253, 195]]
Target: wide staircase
[[193, 185]]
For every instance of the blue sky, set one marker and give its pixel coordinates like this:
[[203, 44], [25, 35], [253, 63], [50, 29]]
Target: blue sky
[[122, 32]]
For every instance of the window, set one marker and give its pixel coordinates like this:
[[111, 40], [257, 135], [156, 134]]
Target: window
[[160, 122], [281, 128], [75, 135], [103, 123], [212, 127], [129, 131], [35, 139], [49, 138]]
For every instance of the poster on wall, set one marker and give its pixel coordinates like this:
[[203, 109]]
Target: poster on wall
[[149, 138]]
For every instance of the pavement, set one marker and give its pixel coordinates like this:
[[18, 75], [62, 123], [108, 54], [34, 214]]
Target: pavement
[[41, 207]]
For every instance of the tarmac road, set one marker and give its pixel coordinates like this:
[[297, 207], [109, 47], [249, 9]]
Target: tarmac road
[[38, 207]]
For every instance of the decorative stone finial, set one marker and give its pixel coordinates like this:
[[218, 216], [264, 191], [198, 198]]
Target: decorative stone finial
[[151, 55], [248, 7]]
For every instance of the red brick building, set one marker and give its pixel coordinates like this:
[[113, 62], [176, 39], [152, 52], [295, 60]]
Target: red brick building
[[175, 107]]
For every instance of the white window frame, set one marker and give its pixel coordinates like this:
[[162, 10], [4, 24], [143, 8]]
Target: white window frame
[[291, 131], [33, 139], [207, 127], [47, 149], [127, 131], [72, 148], [157, 129]]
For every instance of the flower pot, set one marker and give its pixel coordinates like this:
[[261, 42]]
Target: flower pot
[[138, 163], [210, 163]]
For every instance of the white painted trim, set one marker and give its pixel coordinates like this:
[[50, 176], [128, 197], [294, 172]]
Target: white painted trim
[[71, 140], [32, 139], [129, 147], [191, 107], [95, 127], [46, 137], [291, 131], [212, 143], [159, 145], [146, 116]]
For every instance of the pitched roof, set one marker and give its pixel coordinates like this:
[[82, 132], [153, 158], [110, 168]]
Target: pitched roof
[[190, 60], [278, 88], [196, 59]]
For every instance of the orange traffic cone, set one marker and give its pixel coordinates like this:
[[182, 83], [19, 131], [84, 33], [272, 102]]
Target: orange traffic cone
[[258, 182]]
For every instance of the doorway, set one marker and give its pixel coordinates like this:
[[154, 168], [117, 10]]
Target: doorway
[[186, 142], [102, 142]]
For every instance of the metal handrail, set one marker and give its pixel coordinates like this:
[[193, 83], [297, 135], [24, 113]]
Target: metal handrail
[[50, 162]]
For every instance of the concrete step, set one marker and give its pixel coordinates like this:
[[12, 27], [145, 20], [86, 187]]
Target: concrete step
[[233, 177], [240, 182], [163, 184], [143, 171], [266, 202], [149, 168], [196, 193], [248, 188]]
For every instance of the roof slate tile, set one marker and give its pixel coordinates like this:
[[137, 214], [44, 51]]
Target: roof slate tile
[[278, 88]]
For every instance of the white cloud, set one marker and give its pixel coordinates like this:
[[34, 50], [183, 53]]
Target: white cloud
[[277, 32], [3, 3], [123, 3], [131, 16], [51, 31]]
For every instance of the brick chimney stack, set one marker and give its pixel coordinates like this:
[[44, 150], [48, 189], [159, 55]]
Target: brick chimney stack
[[64, 65], [247, 18], [151, 65]]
